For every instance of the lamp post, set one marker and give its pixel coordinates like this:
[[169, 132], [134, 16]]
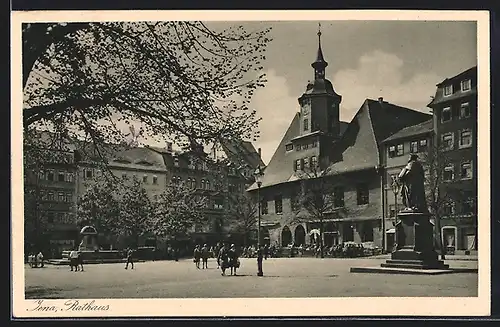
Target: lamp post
[[258, 179], [395, 190]]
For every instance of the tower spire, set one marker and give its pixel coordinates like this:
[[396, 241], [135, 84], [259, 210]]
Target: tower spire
[[320, 64]]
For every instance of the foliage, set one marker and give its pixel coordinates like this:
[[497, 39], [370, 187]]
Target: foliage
[[177, 210], [99, 206], [179, 78]]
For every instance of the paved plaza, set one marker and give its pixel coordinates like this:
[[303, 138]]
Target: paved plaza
[[283, 277]]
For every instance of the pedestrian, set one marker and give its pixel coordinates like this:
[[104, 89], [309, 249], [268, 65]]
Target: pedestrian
[[197, 256], [130, 260], [79, 260], [73, 260], [266, 252], [205, 253], [233, 259], [223, 259], [31, 260], [260, 256], [39, 258]]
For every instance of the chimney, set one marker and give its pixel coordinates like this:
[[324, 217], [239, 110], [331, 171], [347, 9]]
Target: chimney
[[380, 99]]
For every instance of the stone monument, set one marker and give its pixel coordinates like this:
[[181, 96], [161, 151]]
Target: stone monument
[[89, 239], [414, 230]]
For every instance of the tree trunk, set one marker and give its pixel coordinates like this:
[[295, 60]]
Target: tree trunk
[[322, 254], [442, 250]]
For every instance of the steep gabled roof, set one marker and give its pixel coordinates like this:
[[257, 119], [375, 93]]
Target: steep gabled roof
[[414, 130], [140, 156], [238, 151], [358, 146]]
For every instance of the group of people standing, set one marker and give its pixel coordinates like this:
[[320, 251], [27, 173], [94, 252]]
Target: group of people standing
[[35, 261], [227, 257]]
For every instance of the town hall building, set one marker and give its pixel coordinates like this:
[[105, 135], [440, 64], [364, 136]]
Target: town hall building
[[350, 157]]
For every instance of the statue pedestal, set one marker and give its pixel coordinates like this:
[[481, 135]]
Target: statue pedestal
[[414, 236]]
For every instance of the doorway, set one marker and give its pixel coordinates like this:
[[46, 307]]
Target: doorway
[[286, 236], [300, 235]]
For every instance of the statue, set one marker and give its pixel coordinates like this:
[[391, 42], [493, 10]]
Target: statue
[[413, 191]]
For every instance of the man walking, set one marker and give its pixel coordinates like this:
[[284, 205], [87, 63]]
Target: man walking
[[73, 260], [130, 260], [205, 253]]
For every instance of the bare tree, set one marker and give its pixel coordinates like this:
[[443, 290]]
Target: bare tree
[[443, 194], [242, 214], [314, 197], [179, 78]]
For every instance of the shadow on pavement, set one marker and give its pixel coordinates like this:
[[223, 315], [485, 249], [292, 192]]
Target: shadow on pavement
[[42, 293]]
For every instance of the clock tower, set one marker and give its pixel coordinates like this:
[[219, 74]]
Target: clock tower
[[319, 105]]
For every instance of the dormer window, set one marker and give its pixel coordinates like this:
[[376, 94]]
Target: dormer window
[[289, 147], [465, 85], [448, 90]]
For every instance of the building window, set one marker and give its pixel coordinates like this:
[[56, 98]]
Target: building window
[[41, 175], [422, 145], [207, 185], [264, 207], [61, 197], [307, 163], [314, 162], [449, 173], [315, 144], [297, 147], [176, 162], [392, 151], [50, 217], [155, 197], [278, 204], [465, 110], [218, 204], [289, 147], [202, 184], [306, 124], [88, 173], [447, 141], [50, 196], [414, 147], [193, 183], [466, 170], [448, 90], [70, 177], [446, 115], [468, 205], [449, 208], [42, 195], [305, 146], [465, 85], [61, 177], [362, 194], [465, 140], [155, 180], [400, 149], [50, 175], [298, 164], [338, 197], [145, 179], [69, 197]]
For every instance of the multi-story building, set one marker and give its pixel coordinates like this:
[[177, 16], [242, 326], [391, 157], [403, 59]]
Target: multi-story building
[[416, 139], [455, 125], [350, 152], [57, 186]]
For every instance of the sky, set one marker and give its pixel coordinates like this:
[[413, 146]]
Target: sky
[[399, 61]]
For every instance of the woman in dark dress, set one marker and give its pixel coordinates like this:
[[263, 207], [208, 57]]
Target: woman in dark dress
[[223, 259], [233, 259]]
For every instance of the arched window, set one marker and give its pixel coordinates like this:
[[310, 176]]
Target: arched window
[[202, 186], [193, 183], [207, 185]]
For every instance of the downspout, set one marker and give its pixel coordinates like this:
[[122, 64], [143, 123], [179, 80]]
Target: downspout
[[382, 174]]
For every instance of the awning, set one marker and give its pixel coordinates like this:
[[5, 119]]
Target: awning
[[390, 231], [314, 231]]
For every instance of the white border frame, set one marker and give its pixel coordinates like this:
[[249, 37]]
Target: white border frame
[[430, 306]]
